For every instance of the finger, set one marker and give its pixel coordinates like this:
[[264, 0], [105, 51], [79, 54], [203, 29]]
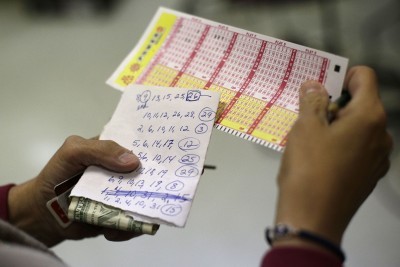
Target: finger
[[78, 153], [313, 102], [79, 230], [361, 81], [118, 235]]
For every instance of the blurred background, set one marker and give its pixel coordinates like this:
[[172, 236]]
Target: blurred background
[[56, 55]]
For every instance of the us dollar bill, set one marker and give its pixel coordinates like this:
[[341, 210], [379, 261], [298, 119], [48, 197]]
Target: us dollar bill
[[96, 213]]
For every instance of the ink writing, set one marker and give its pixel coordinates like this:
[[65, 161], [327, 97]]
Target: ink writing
[[168, 129]]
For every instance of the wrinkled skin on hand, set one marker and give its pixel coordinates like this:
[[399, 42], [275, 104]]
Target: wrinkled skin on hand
[[329, 169], [27, 202]]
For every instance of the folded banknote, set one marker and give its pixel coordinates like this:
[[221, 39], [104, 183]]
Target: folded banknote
[[96, 213]]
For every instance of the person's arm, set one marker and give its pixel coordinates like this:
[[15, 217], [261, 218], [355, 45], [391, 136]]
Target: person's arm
[[27, 201], [329, 169]]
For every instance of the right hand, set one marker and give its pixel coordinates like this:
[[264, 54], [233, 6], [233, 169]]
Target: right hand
[[329, 169]]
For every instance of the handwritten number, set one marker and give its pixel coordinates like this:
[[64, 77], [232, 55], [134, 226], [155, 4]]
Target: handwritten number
[[189, 143], [201, 128], [189, 159], [207, 114], [171, 209], [153, 186], [187, 171], [175, 186], [193, 95]]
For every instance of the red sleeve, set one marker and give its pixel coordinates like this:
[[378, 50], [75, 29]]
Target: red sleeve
[[4, 201], [299, 257]]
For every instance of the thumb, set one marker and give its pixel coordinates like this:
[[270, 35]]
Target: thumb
[[78, 153], [314, 101]]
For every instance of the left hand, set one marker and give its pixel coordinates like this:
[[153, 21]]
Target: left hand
[[27, 202], [329, 169]]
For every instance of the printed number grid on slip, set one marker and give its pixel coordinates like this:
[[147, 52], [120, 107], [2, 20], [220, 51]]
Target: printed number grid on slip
[[258, 76]]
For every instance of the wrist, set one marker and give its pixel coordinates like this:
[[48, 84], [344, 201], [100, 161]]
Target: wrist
[[20, 206], [327, 231], [305, 209], [26, 213], [283, 235]]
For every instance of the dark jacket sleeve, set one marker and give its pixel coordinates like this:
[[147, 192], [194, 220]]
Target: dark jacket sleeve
[[4, 201], [299, 257]]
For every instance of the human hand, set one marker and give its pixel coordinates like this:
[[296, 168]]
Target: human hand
[[27, 202], [329, 169]]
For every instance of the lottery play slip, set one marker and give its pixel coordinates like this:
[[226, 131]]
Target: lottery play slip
[[257, 76]]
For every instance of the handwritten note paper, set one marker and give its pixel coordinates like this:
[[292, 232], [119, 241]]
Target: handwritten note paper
[[169, 130]]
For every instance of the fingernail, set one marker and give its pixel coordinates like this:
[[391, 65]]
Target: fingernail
[[127, 158], [310, 90], [307, 90], [310, 87]]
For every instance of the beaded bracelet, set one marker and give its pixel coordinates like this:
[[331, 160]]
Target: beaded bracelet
[[284, 231]]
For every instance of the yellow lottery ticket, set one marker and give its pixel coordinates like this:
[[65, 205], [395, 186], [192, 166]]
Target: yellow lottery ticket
[[258, 76]]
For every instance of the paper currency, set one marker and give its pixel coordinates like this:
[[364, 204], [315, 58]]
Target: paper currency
[[96, 213]]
